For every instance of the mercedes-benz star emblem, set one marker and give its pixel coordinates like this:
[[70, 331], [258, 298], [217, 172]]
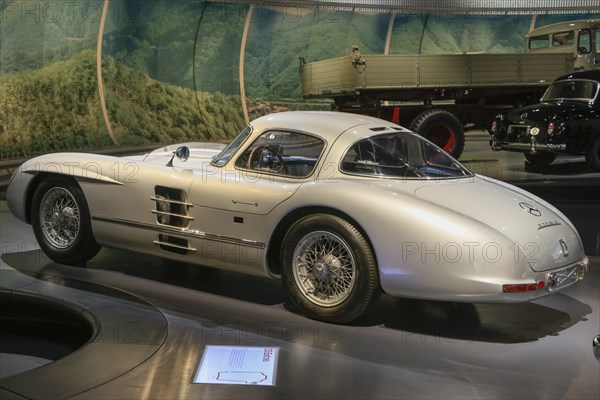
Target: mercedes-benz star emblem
[[530, 209]]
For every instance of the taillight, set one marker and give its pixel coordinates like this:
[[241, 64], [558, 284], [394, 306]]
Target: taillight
[[523, 287], [550, 128]]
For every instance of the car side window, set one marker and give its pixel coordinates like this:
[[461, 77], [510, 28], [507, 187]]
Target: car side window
[[539, 42], [400, 155], [285, 153], [584, 42], [563, 38]]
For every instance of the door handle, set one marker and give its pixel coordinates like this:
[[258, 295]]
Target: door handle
[[244, 203]]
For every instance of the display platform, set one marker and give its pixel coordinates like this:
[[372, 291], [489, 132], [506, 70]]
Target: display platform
[[151, 323]]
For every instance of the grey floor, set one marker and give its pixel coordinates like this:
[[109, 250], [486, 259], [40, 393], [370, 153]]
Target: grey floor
[[155, 319]]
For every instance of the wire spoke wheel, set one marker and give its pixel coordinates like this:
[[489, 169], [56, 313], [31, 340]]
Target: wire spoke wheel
[[324, 268], [61, 221], [329, 271], [60, 217]]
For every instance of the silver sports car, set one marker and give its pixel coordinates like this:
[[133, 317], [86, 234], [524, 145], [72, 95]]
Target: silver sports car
[[340, 207]]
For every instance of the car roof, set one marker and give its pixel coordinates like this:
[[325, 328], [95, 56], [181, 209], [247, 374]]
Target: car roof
[[592, 74], [565, 26], [327, 124]]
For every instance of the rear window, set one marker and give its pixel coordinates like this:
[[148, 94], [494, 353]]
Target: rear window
[[400, 155], [579, 89]]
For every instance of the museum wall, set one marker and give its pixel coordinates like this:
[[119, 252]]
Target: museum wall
[[170, 71]]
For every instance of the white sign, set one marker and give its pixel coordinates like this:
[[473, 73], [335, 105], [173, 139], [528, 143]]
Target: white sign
[[235, 365]]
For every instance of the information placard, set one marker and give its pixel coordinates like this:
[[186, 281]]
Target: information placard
[[238, 365]]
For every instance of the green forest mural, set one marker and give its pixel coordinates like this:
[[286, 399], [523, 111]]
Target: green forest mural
[[170, 70]]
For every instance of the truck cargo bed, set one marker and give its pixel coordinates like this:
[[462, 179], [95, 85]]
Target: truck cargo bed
[[343, 77]]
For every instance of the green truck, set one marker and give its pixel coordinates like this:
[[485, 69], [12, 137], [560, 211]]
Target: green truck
[[438, 96]]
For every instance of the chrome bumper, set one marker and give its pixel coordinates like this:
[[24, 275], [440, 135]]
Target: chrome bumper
[[533, 147], [562, 278]]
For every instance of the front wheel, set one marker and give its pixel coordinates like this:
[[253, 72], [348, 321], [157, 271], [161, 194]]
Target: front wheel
[[329, 270], [61, 222]]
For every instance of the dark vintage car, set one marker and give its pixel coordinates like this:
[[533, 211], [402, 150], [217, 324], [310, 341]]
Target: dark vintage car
[[566, 121]]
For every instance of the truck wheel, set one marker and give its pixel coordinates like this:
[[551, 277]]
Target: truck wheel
[[443, 129], [329, 270], [61, 222], [540, 159], [592, 154]]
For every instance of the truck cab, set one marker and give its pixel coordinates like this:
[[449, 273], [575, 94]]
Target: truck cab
[[580, 38]]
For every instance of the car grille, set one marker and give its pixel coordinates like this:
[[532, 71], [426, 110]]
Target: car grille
[[517, 133]]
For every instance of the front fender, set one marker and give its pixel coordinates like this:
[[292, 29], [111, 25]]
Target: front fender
[[80, 166], [16, 194], [92, 167]]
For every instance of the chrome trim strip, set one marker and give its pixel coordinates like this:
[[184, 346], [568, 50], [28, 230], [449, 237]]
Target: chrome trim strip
[[526, 146], [171, 214], [183, 203], [158, 242], [180, 231]]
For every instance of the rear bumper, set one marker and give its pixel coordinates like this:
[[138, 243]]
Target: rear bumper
[[522, 287], [547, 282], [562, 278]]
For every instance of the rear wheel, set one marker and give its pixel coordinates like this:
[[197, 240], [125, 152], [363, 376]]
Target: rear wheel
[[61, 222], [540, 159], [329, 270], [592, 154], [443, 129]]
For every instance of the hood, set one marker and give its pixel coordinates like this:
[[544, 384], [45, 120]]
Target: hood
[[543, 113], [545, 237], [200, 153]]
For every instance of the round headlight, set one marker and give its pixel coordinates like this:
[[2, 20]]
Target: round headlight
[[534, 131]]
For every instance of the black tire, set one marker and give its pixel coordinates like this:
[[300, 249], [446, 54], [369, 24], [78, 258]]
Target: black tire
[[540, 159], [443, 129], [61, 222], [329, 271], [592, 154]]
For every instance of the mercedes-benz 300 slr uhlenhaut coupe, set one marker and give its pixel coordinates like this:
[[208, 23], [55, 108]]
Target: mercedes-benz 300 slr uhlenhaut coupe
[[340, 207]]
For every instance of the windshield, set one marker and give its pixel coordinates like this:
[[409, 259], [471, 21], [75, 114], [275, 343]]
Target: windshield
[[224, 156], [581, 90], [401, 154]]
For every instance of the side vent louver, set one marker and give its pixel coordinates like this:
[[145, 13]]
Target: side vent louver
[[172, 207], [174, 245]]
